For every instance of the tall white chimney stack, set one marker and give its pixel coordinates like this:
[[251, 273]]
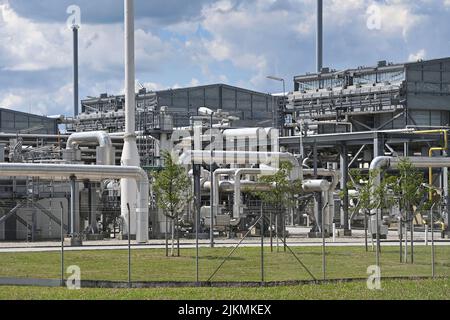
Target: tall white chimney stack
[[130, 155]]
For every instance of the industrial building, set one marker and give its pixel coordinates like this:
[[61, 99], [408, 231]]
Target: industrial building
[[94, 181], [345, 119], [334, 121], [252, 108]]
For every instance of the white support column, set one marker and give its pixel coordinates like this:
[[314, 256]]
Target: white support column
[[130, 155]]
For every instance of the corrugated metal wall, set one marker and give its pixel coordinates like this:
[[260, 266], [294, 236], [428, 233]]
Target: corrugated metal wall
[[252, 108], [428, 85]]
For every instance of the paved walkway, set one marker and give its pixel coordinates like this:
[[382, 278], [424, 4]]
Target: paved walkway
[[298, 239]]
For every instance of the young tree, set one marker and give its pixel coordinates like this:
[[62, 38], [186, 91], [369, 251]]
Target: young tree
[[366, 200], [172, 187], [374, 196], [409, 194], [284, 190]]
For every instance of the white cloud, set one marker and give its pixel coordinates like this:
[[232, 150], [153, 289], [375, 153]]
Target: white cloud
[[232, 41], [419, 55], [31, 46], [11, 100]]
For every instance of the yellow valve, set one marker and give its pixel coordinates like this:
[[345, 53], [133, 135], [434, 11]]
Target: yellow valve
[[433, 149]]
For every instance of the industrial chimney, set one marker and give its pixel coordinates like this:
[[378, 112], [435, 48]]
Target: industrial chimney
[[75, 28], [130, 156], [319, 49]]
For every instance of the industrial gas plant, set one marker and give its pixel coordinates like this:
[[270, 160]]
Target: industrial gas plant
[[91, 173]]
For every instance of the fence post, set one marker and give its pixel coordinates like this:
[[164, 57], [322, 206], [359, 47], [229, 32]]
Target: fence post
[[262, 244], [129, 246], [62, 244]]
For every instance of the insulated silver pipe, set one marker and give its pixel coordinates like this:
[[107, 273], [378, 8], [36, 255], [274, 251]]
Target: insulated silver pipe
[[272, 159], [97, 173], [105, 151], [336, 176], [237, 186], [391, 162], [102, 138]]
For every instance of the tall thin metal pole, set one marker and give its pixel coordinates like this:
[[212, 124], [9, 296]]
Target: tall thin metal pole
[[405, 255], [271, 232], [75, 70], [197, 253], [197, 203], [324, 263], [400, 226], [211, 230], [378, 239], [62, 244], [412, 239], [129, 245], [319, 36], [276, 232], [432, 245], [365, 233], [72, 204], [283, 219], [262, 243]]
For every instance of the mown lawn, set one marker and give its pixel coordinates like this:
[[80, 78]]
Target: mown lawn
[[244, 265], [391, 290]]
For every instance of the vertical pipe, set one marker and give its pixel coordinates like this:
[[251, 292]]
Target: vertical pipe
[[197, 204], [129, 68], [75, 70], [344, 169], [72, 204], [130, 155], [319, 49]]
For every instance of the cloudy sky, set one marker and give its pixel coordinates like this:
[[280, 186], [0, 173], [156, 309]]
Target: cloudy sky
[[182, 43]]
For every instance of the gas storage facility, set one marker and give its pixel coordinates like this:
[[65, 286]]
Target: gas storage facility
[[90, 174]]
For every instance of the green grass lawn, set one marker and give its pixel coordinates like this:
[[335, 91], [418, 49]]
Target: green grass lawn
[[244, 265], [391, 290]]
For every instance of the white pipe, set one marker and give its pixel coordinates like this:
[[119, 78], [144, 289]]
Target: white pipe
[[418, 162], [215, 183], [227, 186], [83, 172], [272, 159], [130, 155], [101, 138], [237, 186], [336, 176], [316, 186]]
